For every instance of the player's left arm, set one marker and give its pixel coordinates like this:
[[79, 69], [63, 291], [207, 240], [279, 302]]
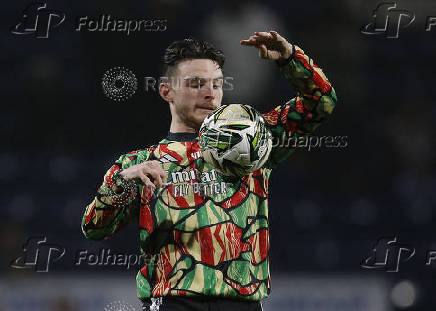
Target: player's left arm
[[315, 100]]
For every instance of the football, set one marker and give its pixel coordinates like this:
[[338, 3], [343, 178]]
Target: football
[[235, 140]]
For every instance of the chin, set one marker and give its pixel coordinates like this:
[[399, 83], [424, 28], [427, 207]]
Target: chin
[[198, 122]]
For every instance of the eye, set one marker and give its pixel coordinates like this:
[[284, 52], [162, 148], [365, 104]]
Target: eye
[[196, 83], [217, 84]]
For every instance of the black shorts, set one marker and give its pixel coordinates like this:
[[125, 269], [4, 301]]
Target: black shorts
[[173, 303]]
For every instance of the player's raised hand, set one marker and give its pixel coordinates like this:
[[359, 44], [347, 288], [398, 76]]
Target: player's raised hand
[[271, 45], [149, 173]]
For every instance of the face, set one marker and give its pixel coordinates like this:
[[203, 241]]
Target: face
[[195, 91]]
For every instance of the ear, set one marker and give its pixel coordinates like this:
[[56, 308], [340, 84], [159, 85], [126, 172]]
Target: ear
[[166, 92]]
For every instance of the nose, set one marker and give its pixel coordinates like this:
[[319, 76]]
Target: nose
[[209, 94], [209, 97]]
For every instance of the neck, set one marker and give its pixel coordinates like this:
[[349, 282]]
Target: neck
[[181, 128], [178, 125]]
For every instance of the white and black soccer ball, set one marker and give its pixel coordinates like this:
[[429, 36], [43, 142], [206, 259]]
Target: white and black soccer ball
[[235, 140]]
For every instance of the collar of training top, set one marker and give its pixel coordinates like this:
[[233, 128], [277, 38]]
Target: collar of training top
[[182, 136]]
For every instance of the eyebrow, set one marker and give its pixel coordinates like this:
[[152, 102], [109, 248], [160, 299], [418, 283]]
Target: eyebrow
[[197, 77]]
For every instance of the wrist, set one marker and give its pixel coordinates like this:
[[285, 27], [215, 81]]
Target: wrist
[[288, 52], [125, 192], [122, 183], [287, 57], [121, 174]]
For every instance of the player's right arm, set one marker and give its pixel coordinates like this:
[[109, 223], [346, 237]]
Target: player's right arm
[[315, 100], [302, 115], [119, 197]]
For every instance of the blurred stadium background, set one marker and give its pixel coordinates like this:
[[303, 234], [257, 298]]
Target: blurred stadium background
[[327, 206]]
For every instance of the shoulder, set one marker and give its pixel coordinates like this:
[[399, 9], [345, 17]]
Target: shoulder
[[136, 156]]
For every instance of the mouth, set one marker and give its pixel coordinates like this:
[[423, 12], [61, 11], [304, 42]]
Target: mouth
[[205, 109]]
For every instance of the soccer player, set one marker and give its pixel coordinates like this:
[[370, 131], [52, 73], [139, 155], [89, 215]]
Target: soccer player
[[209, 237]]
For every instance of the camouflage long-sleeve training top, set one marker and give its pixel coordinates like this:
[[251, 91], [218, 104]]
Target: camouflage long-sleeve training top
[[208, 234]]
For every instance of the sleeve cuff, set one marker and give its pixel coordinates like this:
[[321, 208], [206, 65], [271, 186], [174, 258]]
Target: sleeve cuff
[[283, 62], [121, 185]]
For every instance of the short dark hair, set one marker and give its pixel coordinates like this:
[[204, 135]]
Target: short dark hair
[[190, 49]]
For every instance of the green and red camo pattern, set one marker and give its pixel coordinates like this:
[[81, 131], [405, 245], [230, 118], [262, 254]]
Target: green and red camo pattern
[[209, 233]]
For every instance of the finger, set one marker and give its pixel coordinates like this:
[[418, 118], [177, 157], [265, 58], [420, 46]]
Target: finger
[[263, 34], [149, 190], [263, 51], [276, 35], [154, 163], [164, 177], [246, 42], [157, 180], [263, 39], [250, 41], [147, 182]]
